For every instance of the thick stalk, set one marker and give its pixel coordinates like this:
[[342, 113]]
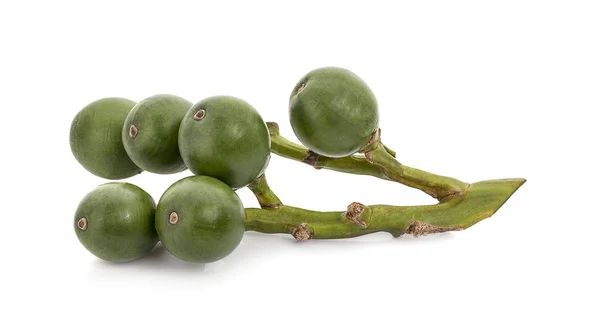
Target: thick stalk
[[461, 204], [481, 200], [379, 162]]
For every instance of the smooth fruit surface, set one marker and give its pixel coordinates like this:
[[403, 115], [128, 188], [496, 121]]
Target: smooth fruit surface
[[115, 222], [226, 138], [95, 138], [200, 219], [333, 112], [150, 133]]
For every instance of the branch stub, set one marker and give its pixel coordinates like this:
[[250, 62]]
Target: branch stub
[[418, 228], [311, 159], [302, 232], [354, 212]]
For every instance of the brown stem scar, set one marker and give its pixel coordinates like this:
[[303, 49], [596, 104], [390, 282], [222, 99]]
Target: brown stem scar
[[418, 228], [369, 157], [302, 232], [173, 218], [270, 206], [372, 142], [200, 115], [374, 137], [301, 87], [388, 150], [82, 223], [311, 159], [133, 131], [354, 212]]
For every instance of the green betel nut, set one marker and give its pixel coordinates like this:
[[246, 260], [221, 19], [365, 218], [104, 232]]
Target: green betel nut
[[95, 138], [115, 222], [226, 138], [200, 219], [333, 112], [150, 133]]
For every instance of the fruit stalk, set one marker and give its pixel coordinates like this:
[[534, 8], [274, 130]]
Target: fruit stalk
[[379, 162], [461, 204], [263, 193]]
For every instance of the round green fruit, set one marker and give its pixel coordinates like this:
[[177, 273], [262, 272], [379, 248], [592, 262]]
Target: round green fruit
[[333, 112], [150, 133], [200, 219], [226, 138], [115, 222], [95, 138]]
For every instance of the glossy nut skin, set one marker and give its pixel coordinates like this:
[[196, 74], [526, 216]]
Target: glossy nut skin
[[333, 112], [150, 133], [95, 138], [226, 138], [115, 222], [200, 219]]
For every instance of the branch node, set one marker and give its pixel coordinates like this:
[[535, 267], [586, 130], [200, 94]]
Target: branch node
[[354, 212], [302, 232], [311, 159], [372, 143], [418, 228]]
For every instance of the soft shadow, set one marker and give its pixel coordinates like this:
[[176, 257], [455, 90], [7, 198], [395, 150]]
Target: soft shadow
[[430, 238], [255, 246], [259, 243], [383, 238], [159, 259], [377, 237]]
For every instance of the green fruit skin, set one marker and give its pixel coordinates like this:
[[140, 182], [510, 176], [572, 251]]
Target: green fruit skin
[[95, 138], [333, 112], [120, 222], [210, 219], [155, 147], [230, 143]]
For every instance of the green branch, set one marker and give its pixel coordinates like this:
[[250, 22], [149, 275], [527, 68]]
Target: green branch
[[461, 204], [263, 193], [379, 162], [480, 201]]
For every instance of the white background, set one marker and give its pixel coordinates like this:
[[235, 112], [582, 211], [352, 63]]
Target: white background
[[471, 89]]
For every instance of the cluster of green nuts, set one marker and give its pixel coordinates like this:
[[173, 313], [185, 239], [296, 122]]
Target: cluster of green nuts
[[222, 140]]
